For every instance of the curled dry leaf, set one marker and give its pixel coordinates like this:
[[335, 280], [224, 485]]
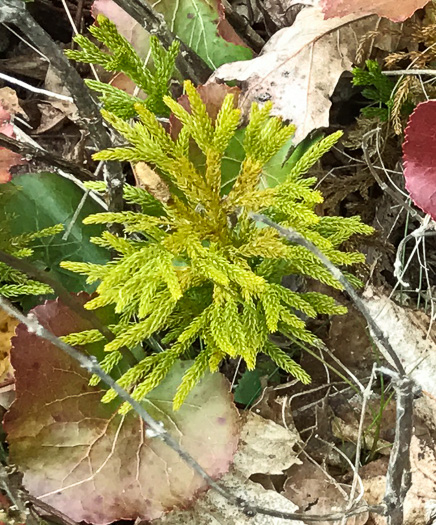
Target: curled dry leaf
[[83, 458], [419, 156], [7, 330], [395, 10], [299, 68], [147, 179]]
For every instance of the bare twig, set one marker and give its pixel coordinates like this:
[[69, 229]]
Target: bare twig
[[47, 509], [401, 72], [243, 27], [398, 477], [156, 429], [356, 478], [383, 185], [15, 12], [34, 89], [38, 154], [190, 65]]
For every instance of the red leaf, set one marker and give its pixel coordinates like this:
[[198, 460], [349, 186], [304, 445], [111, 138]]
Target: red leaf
[[395, 10], [419, 156], [80, 456]]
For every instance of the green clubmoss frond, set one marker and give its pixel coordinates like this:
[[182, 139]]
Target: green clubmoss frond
[[123, 58], [200, 275]]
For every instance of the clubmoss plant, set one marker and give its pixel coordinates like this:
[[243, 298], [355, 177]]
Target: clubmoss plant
[[123, 58], [196, 271]]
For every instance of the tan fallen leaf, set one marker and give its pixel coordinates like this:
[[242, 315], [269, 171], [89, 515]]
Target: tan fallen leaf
[[406, 330], [395, 10], [7, 331], [299, 67], [265, 448], [309, 486], [147, 179]]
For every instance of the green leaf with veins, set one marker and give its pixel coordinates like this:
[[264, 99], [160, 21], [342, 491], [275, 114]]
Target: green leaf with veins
[[41, 200], [195, 22]]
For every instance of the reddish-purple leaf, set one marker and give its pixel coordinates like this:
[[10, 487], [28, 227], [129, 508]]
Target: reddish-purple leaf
[[395, 10], [80, 456], [419, 157]]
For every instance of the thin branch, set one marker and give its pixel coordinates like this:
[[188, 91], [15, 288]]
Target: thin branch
[[15, 12], [243, 27], [295, 237], [399, 477], [34, 89], [38, 154], [67, 298], [156, 429], [47, 509], [190, 65], [401, 72]]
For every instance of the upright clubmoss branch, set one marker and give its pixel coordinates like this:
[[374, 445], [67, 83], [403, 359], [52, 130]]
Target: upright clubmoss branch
[[190, 65]]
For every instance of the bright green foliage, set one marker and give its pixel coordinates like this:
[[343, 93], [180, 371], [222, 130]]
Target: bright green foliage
[[123, 58], [378, 89], [198, 269], [12, 282]]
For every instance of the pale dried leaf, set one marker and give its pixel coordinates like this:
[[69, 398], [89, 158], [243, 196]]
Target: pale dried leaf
[[395, 10], [406, 330], [265, 447], [147, 179], [299, 68]]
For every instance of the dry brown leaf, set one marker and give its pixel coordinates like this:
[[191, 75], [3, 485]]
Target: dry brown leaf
[[265, 448], [9, 101], [395, 10], [315, 493], [7, 331], [299, 68], [149, 180], [406, 330]]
